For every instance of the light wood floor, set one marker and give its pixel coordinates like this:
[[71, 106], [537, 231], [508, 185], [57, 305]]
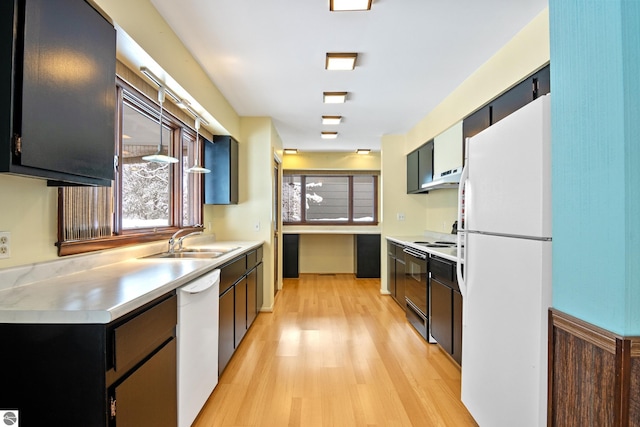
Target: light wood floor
[[335, 352]]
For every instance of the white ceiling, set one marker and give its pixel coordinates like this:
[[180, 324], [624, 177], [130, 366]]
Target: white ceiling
[[267, 58]]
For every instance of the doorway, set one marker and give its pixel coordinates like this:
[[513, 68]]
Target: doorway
[[276, 223]]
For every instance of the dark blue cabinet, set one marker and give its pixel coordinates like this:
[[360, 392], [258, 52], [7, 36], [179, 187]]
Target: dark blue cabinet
[[57, 91], [221, 184]]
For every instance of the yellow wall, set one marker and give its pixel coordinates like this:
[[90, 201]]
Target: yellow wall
[[258, 145], [329, 253], [29, 213], [326, 253], [331, 161], [142, 22], [527, 52]]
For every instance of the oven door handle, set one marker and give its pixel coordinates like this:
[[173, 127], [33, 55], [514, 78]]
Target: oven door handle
[[415, 253]]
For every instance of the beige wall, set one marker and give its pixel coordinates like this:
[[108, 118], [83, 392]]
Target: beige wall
[[330, 252], [527, 52], [331, 161], [258, 145], [326, 253], [142, 23], [30, 214]]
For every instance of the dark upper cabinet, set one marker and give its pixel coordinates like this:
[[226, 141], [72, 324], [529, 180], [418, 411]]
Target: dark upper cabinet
[[221, 157], [419, 167], [412, 172], [57, 86], [425, 164], [512, 100], [542, 82], [534, 86]]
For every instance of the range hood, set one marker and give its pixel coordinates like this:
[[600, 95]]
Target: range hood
[[447, 179]]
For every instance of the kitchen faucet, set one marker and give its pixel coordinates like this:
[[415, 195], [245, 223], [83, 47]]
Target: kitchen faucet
[[193, 233], [172, 242]]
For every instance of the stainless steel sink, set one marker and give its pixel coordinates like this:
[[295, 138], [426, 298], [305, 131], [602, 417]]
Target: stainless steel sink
[[186, 255], [194, 253], [206, 250]]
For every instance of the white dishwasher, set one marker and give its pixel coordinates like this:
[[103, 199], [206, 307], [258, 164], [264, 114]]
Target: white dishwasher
[[197, 334]]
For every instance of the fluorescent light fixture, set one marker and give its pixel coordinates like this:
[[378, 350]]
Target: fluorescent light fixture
[[158, 157], [346, 5], [363, 151], [182, 103], [160, 83], [334, 97], [290, 151], [340, 61], [329, 135], [331, 120], [197, 168]]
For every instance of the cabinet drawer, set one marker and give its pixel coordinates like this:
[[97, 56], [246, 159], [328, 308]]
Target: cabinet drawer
[[399, 252], [230, 273], [148, 397], [138, 337], [252, 259], [444, 271]]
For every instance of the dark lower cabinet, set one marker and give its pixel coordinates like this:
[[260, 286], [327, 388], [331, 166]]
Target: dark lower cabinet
[[252, 296], [94, 374], [143, 398], [457, 327], [391, 269], [290, 244], [226, 331], [240, 314], [442, 315], [445, 306], [396, 272], [240, 301], [367, 255], [401, 277]]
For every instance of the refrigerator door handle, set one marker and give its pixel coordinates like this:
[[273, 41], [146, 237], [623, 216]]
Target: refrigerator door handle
[[461, 239]]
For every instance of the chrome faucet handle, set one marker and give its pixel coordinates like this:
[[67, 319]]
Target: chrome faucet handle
[[172, 241], [180, 240]]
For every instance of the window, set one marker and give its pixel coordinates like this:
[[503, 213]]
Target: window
[[349, 199], [147, 201]]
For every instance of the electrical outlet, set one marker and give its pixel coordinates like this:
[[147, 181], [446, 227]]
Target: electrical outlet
[[400, 216], [5, 244], [256, 226]]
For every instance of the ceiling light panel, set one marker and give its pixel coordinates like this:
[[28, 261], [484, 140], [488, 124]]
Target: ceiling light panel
[[334, 97], [346, 5], [331, 120], [340, 61], [329, 135]]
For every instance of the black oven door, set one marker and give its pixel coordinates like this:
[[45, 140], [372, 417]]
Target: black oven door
[[416, 293]]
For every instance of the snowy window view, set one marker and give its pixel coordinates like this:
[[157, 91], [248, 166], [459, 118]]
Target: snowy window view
[[145, 197], [323, 199], [146, 186]]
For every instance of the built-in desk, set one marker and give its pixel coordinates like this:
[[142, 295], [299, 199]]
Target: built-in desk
[[323, 250]]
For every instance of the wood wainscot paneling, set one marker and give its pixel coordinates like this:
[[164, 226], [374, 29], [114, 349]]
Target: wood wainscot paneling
[[594, 375]]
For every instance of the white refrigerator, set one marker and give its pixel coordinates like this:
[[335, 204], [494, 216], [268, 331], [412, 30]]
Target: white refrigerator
[[505, 268]]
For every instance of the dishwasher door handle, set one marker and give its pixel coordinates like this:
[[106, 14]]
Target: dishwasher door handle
[[202, 284]]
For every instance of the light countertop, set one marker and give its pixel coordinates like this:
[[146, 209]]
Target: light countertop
[[84, 290], [447, 253]]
